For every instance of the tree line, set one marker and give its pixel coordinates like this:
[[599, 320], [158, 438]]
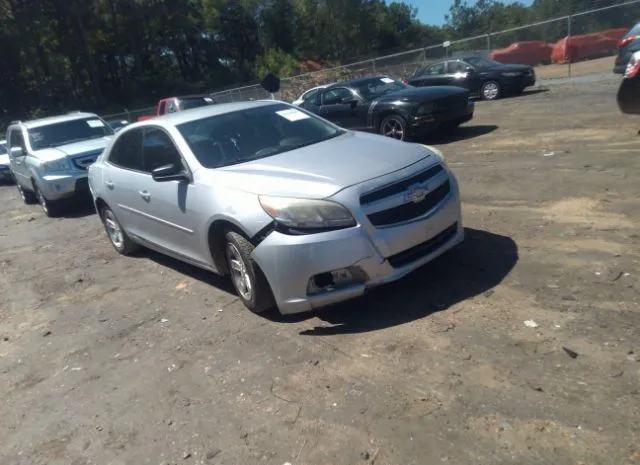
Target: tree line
[[106, 55]]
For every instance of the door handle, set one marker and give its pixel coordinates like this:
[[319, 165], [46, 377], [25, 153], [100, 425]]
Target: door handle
[[109, 184], [145, 195]]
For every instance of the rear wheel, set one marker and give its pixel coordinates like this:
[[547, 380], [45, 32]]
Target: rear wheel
[[394, 126], [247, 278], [117, 236], [491, 90], [27, 197]]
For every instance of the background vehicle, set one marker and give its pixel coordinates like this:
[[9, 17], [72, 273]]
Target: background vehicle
[[117, 124], [299, 212], [5, 168], [531, 52], [308, 94], [49, 157], [629, 91], [488, 78], [174, 104], [627, 46], [389, 107]]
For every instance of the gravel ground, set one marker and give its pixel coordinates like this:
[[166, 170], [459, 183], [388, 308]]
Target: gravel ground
[[517, 347]]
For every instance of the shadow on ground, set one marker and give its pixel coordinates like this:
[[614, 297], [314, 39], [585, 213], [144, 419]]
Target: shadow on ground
[[480, 263], [77, 207], [462, 133]]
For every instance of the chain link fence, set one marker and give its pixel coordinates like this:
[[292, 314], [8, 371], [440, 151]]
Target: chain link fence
[[573, 45]]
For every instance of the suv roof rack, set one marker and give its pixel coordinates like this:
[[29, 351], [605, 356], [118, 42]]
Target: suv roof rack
[[74, 111], [17, 121]]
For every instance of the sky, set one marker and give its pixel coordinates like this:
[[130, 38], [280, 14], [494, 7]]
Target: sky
[[432, 11]]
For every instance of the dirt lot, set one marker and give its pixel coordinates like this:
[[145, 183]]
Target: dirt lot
[[113, 360], [581, 68]]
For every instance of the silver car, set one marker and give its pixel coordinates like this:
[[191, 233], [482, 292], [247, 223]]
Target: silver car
[[299, 212], [49, 157]]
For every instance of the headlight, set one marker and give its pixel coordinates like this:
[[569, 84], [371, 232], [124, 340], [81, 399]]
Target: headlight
[[56, 165], [511, 74], [425, 109], [307, 214]]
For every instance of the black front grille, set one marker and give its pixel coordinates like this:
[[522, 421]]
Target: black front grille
[[401, 186], [408, 211], [422, 250]]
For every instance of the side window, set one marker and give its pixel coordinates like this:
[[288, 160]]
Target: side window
[[456, 67], [163, 106], [171, 106], [310, 95], [334, 96], [158, 150], [127, 151], [16, 139], [435, 70]]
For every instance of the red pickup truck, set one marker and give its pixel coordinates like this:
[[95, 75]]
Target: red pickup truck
[[173, 104]]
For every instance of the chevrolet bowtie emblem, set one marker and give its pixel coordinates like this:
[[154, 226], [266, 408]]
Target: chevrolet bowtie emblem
[[417, 193]]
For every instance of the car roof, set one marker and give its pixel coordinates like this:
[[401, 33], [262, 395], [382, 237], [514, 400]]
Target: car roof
[[355, 82], [35, 123], [186, 116]]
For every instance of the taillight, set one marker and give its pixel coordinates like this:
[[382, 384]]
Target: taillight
[[626, 41], [633, 68]]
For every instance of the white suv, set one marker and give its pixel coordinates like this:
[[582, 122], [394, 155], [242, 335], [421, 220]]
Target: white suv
[[49, 157]]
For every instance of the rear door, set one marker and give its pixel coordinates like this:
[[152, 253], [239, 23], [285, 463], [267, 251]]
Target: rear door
[[432, 75]]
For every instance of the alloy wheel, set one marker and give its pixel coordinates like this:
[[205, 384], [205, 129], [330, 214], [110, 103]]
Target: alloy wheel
[[393, 128], [490, 91], [113, 229], [239, 274]]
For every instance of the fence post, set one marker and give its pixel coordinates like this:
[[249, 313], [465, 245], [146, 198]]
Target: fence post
[[373, 65], [488, 43], [424, 55], [568, 43]]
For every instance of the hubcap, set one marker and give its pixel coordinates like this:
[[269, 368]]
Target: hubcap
[[239, 275], [113, 229], [42, 200], [21, 192], [491, 90], [393, 128]]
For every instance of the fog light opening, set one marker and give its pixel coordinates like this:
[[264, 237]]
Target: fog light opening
[[334, 280]]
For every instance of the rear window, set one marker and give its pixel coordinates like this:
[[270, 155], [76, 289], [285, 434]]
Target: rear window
[[188, 103], [257, 132]]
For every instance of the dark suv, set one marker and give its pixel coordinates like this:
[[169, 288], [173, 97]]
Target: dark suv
[[629, 44]]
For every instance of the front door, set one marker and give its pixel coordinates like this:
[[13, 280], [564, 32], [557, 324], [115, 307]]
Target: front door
[[342, 107]]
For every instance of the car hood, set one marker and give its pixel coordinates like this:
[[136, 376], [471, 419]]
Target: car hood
[[422, 93], [4, 159], [321, 170], [77, 148]]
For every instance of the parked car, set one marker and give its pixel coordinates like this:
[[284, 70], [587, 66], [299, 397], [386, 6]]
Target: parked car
[[308, 94], [390, 107], [49, 157], [629, 90], [174, 104], [627, 46], [5, 167], [298, 211], [117, 124], [488, 78]]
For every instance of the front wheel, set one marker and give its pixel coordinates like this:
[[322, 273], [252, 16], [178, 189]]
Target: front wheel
[[49, 207], [394, 126], [491, 90], [247, 278]]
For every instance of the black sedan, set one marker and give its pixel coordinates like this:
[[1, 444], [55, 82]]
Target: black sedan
[[488, 78], [629, 91], [390, 107]]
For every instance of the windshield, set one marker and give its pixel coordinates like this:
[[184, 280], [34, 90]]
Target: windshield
[[480, 62], [258, 132], [188, 103], [3, 148], [375, 87], [67, 132]]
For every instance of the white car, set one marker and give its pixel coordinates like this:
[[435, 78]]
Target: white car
[[311, 93], [5, 169]]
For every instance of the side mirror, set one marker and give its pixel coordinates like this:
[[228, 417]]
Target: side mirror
[[469, 69], [16, 152], [171, 172]]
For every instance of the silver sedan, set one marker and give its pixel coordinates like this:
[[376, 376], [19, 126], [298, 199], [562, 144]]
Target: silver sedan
[[299, 212]]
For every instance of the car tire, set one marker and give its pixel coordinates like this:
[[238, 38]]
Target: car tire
[[491, 90], [394, 126], [116, 234], [27, 196], [249, 282], [49, 207]]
